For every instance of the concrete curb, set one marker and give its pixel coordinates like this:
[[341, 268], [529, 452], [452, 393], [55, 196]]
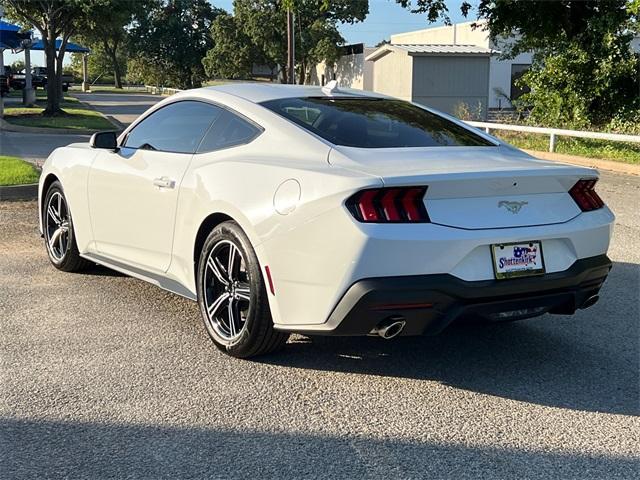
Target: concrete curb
[[18, 192], [610, 165]]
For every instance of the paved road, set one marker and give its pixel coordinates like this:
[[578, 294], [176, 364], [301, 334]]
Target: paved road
[[124, 108], [104, 376], [35, 147]]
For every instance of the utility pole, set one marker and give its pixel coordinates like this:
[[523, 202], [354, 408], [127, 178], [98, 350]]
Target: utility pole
[[291, 63], [28, 93]]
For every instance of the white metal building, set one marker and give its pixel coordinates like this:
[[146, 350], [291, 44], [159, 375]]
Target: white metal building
[[351, 70], [444, 77], [502, 73]]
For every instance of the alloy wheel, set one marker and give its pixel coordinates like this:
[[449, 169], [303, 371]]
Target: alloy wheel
[[227, 290], [57, 226]]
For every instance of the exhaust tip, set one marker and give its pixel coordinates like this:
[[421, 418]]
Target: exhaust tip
[[390, 327], [589, 302]]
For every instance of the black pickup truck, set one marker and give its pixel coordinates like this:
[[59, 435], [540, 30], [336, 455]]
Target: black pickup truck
[[38, 79]]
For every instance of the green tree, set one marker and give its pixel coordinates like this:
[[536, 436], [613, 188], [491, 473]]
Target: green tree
[[17, 66], [261, 25], [53, 19], [233, 53], [100, 64], [584, 71], [169, 40], [105, 32]]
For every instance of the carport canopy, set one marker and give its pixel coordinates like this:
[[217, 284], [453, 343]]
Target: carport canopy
[[71, 47], [11, 37]]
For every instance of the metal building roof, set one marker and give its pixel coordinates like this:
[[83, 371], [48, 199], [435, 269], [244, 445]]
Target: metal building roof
[[431, 49]]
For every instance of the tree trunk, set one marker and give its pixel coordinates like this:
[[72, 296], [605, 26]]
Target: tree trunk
[[53, 99], [117, 74], [113, 56], [60, 67]]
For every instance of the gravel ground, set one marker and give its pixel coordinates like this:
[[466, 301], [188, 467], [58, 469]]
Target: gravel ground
[[104, 376]]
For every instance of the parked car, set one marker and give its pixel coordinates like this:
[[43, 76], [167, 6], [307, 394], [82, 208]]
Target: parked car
[[322, 211], [38, 79]]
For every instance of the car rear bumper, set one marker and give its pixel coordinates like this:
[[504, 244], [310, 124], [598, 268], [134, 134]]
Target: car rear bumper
[[428, 303]]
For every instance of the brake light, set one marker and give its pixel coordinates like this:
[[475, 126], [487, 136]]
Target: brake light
[[585, 196], [389, 205]]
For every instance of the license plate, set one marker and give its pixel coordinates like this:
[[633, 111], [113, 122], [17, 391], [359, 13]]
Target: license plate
[[512, 260]]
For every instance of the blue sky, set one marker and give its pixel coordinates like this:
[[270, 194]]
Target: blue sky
[[385, 18]]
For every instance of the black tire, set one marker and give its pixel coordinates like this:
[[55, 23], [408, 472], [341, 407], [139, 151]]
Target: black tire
[[256, 335], [65, 256]]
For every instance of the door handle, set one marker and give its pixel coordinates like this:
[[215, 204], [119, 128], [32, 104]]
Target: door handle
[[164, 182]]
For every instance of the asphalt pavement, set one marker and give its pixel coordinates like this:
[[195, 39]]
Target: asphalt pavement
[[124, 108], [105, 376], [36, 147]]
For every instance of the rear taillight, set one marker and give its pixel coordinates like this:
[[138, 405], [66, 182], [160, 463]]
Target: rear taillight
[[584, 194], [389, 205]]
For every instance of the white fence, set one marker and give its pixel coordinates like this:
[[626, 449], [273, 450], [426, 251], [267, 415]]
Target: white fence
[[161, 90], [556, 132]]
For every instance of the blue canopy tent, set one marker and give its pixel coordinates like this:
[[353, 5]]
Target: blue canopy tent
[[11, 37], [71, 48]]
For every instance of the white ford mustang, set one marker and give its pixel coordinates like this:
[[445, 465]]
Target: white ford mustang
[[324, 211]]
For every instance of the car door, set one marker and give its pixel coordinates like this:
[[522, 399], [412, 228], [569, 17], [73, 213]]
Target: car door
[[133, 192]]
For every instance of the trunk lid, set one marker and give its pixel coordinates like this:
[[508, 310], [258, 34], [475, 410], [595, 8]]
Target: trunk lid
[[475, 187]]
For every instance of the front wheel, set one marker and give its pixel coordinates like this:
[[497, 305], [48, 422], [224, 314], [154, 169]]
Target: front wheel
[[59, 235], [232, 295]]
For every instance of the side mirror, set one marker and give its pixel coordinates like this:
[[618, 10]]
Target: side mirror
[[106, 140]]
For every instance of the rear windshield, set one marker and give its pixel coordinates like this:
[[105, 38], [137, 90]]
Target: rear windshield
[[374, 123]]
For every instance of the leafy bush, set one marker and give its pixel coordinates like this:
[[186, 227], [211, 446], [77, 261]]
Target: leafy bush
[[626, 121], [464, 112], [574, 89]]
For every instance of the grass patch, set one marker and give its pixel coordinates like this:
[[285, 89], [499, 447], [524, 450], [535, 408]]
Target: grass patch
[[74, 117], [18, 93], [14, 171], [584, 147], [41, 97], [110, 89]]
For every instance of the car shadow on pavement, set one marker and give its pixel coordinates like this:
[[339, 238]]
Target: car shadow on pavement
[[57, 449], [100, 271], [586, 362]]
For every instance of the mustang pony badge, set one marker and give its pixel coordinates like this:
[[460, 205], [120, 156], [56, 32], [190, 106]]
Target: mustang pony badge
[[513, 207]]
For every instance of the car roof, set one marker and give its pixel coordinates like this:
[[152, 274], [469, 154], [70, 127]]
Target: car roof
[[261, 92]]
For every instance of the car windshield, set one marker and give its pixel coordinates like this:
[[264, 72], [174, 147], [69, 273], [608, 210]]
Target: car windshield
[[367, 122]]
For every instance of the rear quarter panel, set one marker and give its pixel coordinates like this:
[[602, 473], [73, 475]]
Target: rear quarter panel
[[241, 183]]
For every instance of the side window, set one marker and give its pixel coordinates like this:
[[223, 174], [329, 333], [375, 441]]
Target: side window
[[178, 127], [227, 131]]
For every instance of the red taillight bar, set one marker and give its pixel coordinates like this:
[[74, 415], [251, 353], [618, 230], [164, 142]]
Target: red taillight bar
[[585, 196], [389, 205]]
